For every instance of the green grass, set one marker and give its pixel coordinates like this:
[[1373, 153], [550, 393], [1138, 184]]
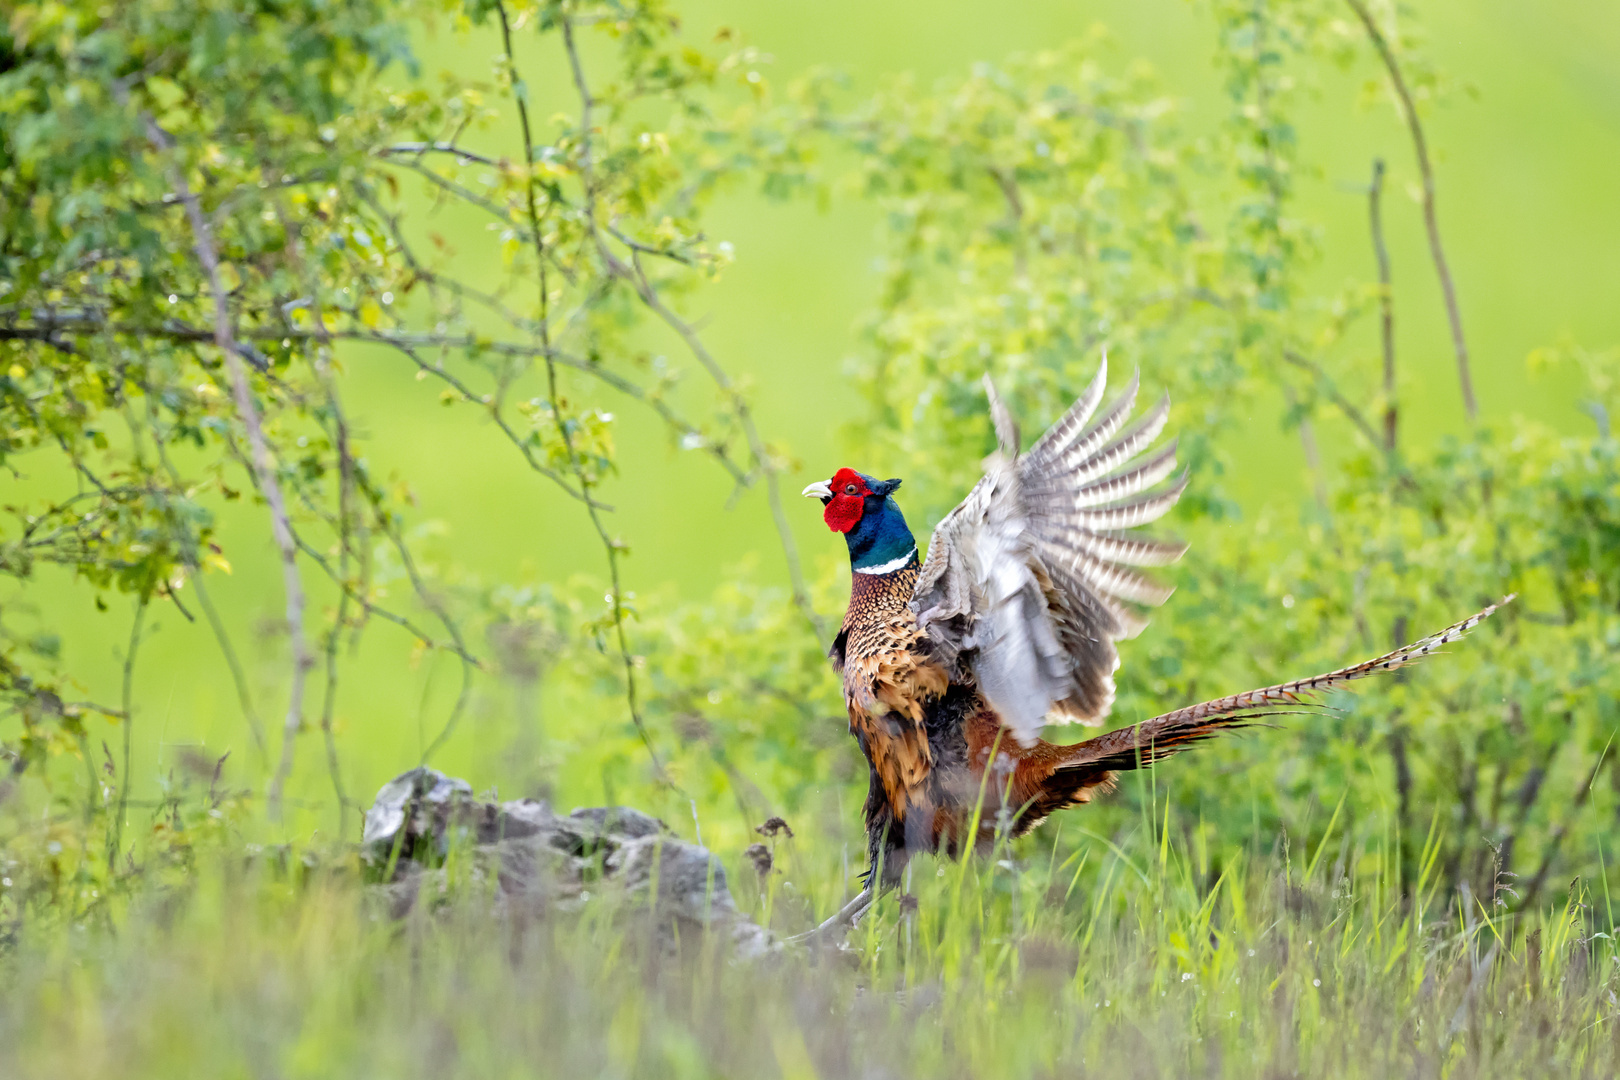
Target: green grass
[[1127, 956]]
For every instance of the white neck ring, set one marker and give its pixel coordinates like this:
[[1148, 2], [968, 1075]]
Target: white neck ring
[[889, 567]]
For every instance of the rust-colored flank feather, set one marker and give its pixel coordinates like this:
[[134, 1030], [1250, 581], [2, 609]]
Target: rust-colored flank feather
[[951, 668]]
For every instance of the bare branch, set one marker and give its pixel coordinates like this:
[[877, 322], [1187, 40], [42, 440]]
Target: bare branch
[[1313, 455], [637, 277], [1015, 215], [657, 252], [1386, 302], [1353, 414], [687, 431], [355, 593], [238, 676], [1556, 840], [339, 621], [334, 408], [499, 420], [215, 623], [432, 604], [418, 149], [756, 445], [115, 842], [501, 213], [263, 465], [1430, 222], [408, 343]]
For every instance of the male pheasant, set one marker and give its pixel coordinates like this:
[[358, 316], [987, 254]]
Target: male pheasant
[[952, 666]]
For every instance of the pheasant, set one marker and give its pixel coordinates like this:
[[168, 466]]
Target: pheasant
[[952, 667]]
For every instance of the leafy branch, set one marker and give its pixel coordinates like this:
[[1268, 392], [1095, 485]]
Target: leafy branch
[[636, 275], [610, 546]]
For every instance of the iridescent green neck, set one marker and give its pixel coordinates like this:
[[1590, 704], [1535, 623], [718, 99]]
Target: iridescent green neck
[[881, 543]]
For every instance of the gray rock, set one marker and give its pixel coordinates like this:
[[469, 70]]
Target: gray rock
[[691, 887], [619, 820], [544, 864], [411, 807]]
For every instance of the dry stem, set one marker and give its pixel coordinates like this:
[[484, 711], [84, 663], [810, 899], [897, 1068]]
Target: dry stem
[[1430, 222], [1386, 302]]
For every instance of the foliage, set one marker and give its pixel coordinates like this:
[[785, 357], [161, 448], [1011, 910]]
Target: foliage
[[211, 211], [1042, 211], [185, 273]]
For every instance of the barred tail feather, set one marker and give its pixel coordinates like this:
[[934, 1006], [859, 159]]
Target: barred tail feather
[[1153, 740], [1292, 692]]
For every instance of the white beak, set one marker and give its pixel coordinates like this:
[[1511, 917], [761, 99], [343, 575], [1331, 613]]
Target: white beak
[[820, 489]]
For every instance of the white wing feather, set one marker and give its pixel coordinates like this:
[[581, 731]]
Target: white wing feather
[[1026, 580]]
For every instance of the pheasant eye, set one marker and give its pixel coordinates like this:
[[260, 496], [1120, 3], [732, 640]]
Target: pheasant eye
[[850, 489]]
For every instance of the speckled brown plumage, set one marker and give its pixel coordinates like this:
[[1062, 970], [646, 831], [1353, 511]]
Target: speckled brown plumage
[[888, 684], [875, 619], [928, 740]]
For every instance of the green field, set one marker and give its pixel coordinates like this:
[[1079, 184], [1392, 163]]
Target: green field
[[1415, 882]]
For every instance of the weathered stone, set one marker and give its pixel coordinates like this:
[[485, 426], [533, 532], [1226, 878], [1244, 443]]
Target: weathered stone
[[520, 818], [411, 807], [543, 863], [619, 820], [691, 890]]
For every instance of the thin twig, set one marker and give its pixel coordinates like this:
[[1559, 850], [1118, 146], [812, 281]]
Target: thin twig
[[1386, 302], [391, 530], [244, 696], [1015, 215], [610, 546], [417, 149], [355, 592], [86, 322], [263, 464], [756, 446], [340, 440], [1353, 414], [687, 431], [1556, 840], [1313, 455], [637, 277], [463, 193], [472, 198], [238, 676], [339, 620], [1430, 221], [128, 700], [657, 252]]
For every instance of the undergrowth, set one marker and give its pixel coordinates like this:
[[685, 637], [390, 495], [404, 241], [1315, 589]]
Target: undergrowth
[[1132, 956]]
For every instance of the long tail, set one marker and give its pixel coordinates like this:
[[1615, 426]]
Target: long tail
[[1153, 740]]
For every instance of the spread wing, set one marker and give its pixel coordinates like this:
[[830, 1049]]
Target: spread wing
[[1031, 580]]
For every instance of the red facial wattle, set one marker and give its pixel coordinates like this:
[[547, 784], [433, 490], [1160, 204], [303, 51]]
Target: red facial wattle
[[849, 492]]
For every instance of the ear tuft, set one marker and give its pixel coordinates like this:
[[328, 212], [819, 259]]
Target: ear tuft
[[886, 488]]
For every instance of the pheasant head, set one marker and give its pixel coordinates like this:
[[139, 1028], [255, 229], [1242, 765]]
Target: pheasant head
[[864, 510]]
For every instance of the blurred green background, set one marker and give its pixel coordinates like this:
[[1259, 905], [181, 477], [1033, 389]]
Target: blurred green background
[[1528, 165]]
